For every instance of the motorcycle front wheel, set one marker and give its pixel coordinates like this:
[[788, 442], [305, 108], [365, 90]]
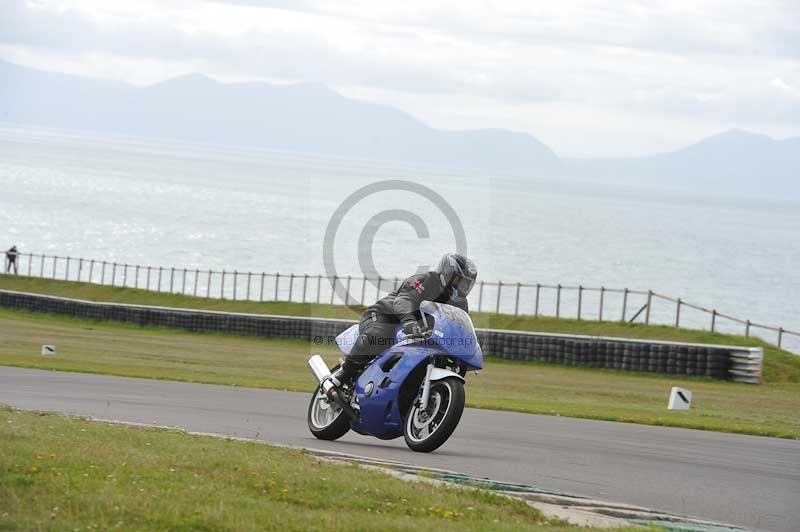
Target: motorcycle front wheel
[[426, 430], [326, 419]]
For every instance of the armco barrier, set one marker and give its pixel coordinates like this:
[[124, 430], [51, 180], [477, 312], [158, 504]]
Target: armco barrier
[[741, 364]]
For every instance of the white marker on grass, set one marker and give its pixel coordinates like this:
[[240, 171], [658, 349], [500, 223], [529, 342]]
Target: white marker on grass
[[48, 350], [679, 399]]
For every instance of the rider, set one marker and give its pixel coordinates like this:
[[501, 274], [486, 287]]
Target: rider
[[450, 283]]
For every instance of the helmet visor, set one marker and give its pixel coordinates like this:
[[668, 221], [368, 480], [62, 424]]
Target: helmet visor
[[463, 285]]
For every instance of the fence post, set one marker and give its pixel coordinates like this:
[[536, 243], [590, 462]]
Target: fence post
[[497, 303], [780, 336], [277, 280], [713, 319], [160, 272], [649, 301], [196, 275], [41, 266], [55, 265], [171, 279], [235, 280], [305, 286], [347, 290], [678, 314], [136, 280], [536, 308], [183, 282], [80, 268], [66, 272], [113, 274], [333, 287], [480, 297], [261, 291], [222, 286], [125, 275], [319, 284], [558, 301], [208, 284], [624, 303], [602, 295], [147, 280], [291, 286], [363, 288], [379, 287], [516, 301], [247, 292], [580, 300], [747, 329]]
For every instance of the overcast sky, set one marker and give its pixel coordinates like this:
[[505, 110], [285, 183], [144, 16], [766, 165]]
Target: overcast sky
[[589, 78]]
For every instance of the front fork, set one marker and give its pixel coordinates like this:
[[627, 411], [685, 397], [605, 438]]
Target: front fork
[[426, 386], [432, 373]]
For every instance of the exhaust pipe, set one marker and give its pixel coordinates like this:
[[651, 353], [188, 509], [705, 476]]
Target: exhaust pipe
[[322, 373], [320, 369]]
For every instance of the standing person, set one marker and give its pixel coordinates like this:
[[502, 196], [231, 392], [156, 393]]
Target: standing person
[[11, 259], [450, 283]]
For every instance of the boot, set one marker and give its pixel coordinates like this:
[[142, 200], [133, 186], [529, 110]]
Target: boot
[[346, 374]]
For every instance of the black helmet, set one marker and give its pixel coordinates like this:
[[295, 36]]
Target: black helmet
[[458, 274]]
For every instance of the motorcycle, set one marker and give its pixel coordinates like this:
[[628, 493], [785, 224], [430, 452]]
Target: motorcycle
[[413, 389]]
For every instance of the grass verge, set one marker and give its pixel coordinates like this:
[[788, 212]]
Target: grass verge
[[779, 365], [121, 349], [59, 473]]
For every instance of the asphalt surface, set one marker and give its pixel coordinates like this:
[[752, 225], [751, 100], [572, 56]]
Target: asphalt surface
[[747, 481]]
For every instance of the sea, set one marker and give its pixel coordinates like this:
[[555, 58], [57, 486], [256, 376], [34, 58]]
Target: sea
[[188, 205]]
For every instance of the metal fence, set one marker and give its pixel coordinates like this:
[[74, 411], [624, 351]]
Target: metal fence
[[559, 301]]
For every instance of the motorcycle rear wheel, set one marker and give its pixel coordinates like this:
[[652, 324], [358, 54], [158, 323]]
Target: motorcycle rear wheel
[[326, 419], [426, 431]]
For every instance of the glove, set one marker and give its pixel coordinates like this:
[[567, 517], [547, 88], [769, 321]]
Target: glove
[[412, 328]]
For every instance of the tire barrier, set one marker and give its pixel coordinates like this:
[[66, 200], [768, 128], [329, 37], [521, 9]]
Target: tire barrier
[[742, 364], [724, 362]]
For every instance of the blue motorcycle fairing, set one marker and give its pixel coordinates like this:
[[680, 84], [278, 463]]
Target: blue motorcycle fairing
[[452, 335], [379, 412]]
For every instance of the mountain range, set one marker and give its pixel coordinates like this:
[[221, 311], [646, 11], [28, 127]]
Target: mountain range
[[308, 117]]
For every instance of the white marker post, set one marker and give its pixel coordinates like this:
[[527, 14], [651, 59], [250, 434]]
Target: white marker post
[[679, 399], [48, 350]]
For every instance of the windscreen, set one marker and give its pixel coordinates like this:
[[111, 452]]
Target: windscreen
[[454, 333]]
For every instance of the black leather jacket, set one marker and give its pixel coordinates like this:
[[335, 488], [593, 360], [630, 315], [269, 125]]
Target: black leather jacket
[[403, 304]]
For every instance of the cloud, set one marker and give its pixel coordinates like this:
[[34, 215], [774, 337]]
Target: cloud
[[713, 59], [781, 85], [337, 55]]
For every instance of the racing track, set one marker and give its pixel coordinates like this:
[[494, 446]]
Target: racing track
[[748, 481]]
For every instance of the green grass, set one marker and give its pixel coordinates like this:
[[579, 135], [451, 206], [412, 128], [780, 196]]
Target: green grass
[[121, 349], [779, 366], [93, 292], [59, 473]]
